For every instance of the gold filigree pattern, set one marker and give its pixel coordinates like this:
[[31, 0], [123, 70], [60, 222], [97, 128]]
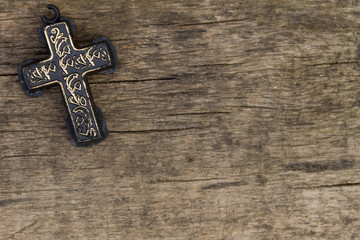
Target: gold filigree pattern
[[78, 61], [86, 60], [58, 40], [83, 120], [41, 73], [66, 62]]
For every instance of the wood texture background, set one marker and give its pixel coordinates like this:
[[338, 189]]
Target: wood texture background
[[228, 119]]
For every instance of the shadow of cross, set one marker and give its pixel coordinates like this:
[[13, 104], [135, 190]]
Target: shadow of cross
[[68, 66]]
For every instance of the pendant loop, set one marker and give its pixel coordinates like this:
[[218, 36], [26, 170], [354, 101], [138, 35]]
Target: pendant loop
[[57, 15]]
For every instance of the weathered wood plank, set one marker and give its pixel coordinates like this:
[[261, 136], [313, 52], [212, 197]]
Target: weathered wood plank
[[228, 120]]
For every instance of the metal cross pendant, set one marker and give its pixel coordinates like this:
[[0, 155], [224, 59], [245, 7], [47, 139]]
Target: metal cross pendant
[[68, 66]]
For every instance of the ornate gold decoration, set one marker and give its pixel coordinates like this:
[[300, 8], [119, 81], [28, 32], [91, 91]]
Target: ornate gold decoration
[[42, 73], [83, 122], [58, 40], [67, 66]]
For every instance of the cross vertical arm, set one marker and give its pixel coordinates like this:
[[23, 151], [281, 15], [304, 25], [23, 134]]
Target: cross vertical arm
[[82, 118]]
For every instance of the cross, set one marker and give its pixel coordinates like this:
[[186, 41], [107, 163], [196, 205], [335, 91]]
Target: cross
[[68, 66]]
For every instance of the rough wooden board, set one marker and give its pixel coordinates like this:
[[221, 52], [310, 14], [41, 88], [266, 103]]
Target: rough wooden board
[[228, 119]]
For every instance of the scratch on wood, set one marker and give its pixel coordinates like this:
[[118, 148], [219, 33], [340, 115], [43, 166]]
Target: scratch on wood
[[197, 113], [156, 130], [339, 185], [320, 166], [27, 155], [182, 180], [24, 228], [136, 80], [200, 23], [6, 202], [224, 185]]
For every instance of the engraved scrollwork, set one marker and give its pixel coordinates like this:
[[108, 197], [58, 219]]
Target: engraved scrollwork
[[73, 84], [41, 73], [83, 121], [58, 39], [104, 55], [84, 124], [66, 62], [90, 56], [78, 61], [86, 60]]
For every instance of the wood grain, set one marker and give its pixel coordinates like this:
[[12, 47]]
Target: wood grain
[[228, 119]]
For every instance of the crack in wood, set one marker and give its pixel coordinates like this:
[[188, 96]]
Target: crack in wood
[[331, 63], [23, 229], [27, 155], [156, 130], [196, 113], [9, 75], [320, 166], [200, 23], [224, 185], [6, 202], [337, 185], [183, 180], [135, 80]]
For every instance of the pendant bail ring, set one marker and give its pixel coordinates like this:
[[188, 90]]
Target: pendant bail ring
[[57, 15]]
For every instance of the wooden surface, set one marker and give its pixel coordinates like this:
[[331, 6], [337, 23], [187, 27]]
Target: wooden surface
[[228, 119]]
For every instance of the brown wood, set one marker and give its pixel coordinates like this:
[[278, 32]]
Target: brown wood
[[228, 119]]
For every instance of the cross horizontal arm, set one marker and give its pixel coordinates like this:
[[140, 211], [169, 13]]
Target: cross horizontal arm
[[40, 74], [93, 58]]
